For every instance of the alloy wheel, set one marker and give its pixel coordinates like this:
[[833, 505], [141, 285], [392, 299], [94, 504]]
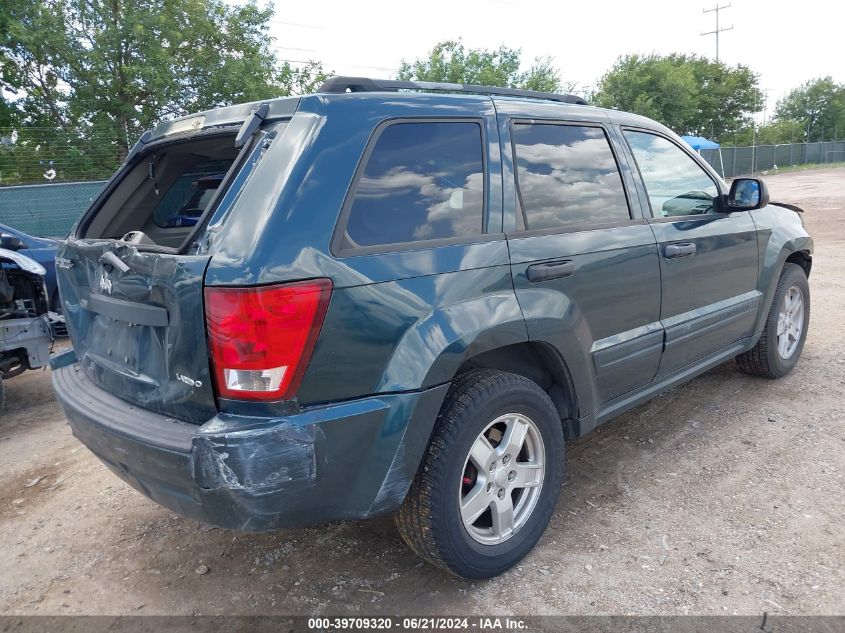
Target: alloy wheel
[[502, 479]]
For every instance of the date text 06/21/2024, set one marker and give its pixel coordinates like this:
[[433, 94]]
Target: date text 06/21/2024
[[418, 623]]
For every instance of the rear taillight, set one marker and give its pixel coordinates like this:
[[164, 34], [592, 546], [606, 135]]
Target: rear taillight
[[261, 338]]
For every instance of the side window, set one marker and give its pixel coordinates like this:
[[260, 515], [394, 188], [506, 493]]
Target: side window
[[676, 184], [422, 181], [567, 176]]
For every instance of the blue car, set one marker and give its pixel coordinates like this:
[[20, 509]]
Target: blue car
[[42, 250]]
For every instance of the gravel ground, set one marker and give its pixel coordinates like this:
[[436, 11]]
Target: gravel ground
[[723, 496]]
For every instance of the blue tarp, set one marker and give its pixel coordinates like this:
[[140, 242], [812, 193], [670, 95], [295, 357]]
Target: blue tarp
[[699, 142]]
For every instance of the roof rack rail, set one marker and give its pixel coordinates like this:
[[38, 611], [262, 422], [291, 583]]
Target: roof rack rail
[[337, 85]]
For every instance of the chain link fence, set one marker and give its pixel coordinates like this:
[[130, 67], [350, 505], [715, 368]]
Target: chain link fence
[[736, 161], [39, 155], [46, 210], [49, 176]]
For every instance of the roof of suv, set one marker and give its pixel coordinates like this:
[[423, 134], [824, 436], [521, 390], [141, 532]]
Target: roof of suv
[[339, 88], [379, 88]]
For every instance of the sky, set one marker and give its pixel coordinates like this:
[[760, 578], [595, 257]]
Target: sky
[[787, 43]]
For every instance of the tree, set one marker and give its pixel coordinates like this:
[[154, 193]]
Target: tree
[[774, 132], [451, 62], [9, 116], [690, 94], [124, 65], [818, 106]]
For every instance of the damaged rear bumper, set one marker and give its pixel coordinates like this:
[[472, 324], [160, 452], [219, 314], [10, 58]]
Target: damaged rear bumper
[[342, 461]]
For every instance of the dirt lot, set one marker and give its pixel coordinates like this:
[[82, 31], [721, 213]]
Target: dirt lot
[[723, 496]]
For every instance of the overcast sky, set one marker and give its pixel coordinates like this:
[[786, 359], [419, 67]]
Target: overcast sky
[[785, 42]]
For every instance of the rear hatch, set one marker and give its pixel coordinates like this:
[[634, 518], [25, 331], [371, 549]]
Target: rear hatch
[[131, 273], [139, 334]]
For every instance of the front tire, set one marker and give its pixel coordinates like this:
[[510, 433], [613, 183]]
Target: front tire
[[489, 483], [782, 341]]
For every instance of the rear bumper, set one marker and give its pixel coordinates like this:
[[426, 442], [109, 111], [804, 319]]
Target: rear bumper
[[350, 460]]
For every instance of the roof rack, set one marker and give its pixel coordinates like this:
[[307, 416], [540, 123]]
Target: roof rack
[[338, 85]]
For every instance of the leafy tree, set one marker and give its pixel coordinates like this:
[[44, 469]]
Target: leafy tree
[[9, 116], [773, 133], [124, 65], [727, 97], [817, 106], [653, 86], [690, 94], [452, 62]]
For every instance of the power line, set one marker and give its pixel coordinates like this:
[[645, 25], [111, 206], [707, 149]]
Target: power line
[[303, 61], [299, 25], [293, 48], [718, 30]]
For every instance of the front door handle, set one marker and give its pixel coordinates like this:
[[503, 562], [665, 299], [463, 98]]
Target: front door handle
[[678, 250], [551, 270]]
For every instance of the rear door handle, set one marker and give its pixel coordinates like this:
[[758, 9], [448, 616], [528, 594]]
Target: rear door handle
[[551, 270], [678, 250]]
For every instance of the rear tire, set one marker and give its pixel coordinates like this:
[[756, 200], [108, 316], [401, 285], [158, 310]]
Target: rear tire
[[780, 345], [508, 424]]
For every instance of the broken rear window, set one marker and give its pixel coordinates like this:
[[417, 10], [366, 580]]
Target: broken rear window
[[166, 193]]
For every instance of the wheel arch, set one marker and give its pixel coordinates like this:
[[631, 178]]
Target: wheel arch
[[797, 250], [542, 364], [802, 258]]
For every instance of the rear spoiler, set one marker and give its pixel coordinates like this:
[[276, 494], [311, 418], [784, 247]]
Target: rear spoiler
[[240, 114]]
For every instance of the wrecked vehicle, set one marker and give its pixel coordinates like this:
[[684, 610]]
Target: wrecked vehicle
[[42, 250], [399, 301], [25, 333]]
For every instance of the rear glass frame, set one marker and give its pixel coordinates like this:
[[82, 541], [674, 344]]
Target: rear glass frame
[[522, 221], [337, 247], [235, 168]]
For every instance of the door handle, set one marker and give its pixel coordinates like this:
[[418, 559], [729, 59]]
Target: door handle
[[551, 270], [678, 250]]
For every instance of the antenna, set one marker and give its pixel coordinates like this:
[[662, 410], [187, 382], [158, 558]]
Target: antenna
[[718, 30]]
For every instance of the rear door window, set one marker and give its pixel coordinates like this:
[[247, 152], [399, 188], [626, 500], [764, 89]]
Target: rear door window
[[567, 176], [420, 181]]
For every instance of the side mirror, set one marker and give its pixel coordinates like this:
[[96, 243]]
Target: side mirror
[[10, 242], [748, 194]]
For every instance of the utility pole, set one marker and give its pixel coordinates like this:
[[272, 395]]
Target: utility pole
[[765, 92], [719, 29]]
